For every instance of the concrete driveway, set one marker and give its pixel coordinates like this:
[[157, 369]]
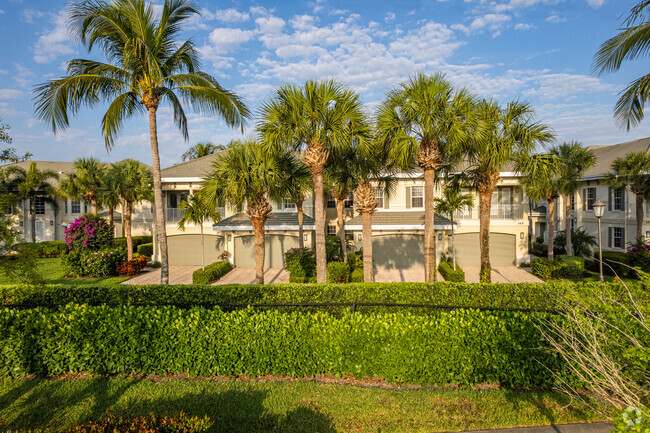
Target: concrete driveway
[[177, 275], [393, 275], [502, 274], [247, 276]]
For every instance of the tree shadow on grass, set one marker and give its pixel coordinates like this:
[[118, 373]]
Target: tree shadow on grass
[[547, 405]]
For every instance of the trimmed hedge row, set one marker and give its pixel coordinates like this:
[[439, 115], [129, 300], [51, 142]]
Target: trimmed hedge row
[[448, 272], [464, 347], [562, 267], [44, 249], [137, 241], [526, 295], [145, 250], [211, 273]]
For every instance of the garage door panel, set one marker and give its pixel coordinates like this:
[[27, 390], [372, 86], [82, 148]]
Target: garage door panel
[[398, 251], [185, 250], [274, 248], [468, 251]]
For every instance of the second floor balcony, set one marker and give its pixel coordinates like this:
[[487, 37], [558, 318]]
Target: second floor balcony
[[173, 214], [497, 212]]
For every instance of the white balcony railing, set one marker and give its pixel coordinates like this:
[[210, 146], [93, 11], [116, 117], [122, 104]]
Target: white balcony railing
[[497, 212], [173, 214]]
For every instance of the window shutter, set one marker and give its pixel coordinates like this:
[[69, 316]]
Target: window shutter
[[584, 199], [386, 204], [623, 193], [609, 237], [408, 197], [623, 238], [609, 199]]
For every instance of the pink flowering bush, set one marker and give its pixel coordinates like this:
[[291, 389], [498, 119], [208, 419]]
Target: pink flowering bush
[[88, 232], [99, 263]]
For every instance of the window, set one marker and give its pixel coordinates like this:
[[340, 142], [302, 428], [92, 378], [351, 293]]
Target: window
[[588, 198], [616, 197], [75, 206], [331, 203], [349, 202], [39, 205], [379, 196], [331, 230], [417, 196], [288, 204], [619, 240]]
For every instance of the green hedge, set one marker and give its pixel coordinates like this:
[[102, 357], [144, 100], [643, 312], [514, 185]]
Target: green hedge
[[611, 264], [44, 249], [137, 241], [561, 267], [460, 347], [211, 273], [338, 272], [145, 250], [450, 274], [526, 295]]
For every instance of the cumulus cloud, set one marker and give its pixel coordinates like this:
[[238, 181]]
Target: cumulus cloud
[[554, 18], [53, 43], [524, 26], [10, 94], [595, 3], [491, 21], [29, 15], [270, 24], [232, 15], [567, 86]]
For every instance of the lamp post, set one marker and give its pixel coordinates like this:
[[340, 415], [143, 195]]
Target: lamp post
[[599, 210]]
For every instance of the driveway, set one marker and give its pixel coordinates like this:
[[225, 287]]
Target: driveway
[[247, 276], [502, 274], [177, 275], [392, 275]]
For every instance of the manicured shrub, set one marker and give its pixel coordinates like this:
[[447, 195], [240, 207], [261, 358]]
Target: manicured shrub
[[211, 273], [632, 420], [614, 262], [356, 276], [44, 249], [543, 268], [450, 274], [145, 249], [569, 267], [338, 272], [464, 347], [98, 263], [333, 248], [137, 241], [539, 249], [301, 264], [132, 267], [88, 232], [152, 423]]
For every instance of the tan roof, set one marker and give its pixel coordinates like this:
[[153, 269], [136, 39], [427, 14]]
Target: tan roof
[[605, 155], [198, 167]]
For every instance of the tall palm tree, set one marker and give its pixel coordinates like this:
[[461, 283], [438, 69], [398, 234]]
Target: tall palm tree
[[109, 192], [31, 184], [84, 182], [453, 201], [244, 175], [542, 180], [200, 150], [319, 117], [295, 183], [146, 66], [340, 174], [197, 211], [425, 120], [507, 135], [632, 171], [631, 43], [575, 160]]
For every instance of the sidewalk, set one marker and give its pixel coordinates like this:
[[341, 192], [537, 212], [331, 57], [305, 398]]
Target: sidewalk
[[594, 427]]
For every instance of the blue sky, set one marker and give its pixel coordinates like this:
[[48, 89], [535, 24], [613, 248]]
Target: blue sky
[[535, 50]]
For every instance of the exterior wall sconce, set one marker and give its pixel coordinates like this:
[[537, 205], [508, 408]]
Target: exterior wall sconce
[[304, 238], [439, 236], [359, 237], [229, 237], [51, 222], [521, 235], [21, 223]]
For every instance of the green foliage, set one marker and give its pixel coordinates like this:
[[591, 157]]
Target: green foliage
[[211, 273], [463, 347], [152, 423], [88, 232], [486, 275], [301, 264], [15, 261], [44, 249], [581, 242], [145, 249], [632, 420], [356, 276], [337, 272], [333, 248], [639, 255], [137, 241], [561, 267], [97, 263], [543, 268], [132, 267], [450, 274], [614, 263]]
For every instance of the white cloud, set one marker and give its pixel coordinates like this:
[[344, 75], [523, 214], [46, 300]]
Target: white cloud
[[223, 40], [270, 24], [524, 26], [493, 22], [11, 94], [595, 3], [2, 12], [554, 18], [232, 15], [390, 16], [567, 86], [303, 22], [339, 12], [29, 15], [24, 76], [54, 43], [260, 11]]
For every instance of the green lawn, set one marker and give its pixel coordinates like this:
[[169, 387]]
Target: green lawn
[[53, 272], [280, 406], [595, 277]]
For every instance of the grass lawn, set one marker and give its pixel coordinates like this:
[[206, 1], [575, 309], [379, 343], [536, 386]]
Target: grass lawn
[[281, 406], [53, 272], [594, 277]]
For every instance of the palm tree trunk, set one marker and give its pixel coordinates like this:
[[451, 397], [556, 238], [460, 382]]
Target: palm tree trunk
[[453, 241], [551, 227], [567, 228], [319, 217], [429, 235], [301, 217], [93, 203], [158, 198], [639, 216], [202, 248], [366, 233], [32, 210], [110, 217], [258, 228], [127, 223], [341, 227], [485, 203], [123, 205]]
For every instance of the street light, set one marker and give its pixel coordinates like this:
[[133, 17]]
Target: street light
[[599, 210]]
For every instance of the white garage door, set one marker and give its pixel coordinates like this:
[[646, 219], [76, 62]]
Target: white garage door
[[185, 250], [398, 251], [468, 250], [274, 248]]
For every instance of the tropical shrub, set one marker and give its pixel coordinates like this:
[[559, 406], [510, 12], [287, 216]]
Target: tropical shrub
[[581, 242], [639, 255], [301, 264], [450, 274], [145, 249], [632, 420], [88, 232], [132, 267], [98, 263], [543, 268], [338, 272], [137, 241], [211, 273], [614, 263], [356, 276], [333, 248], [539, 249], [464, 347], [43, 249], [152, 423], [561, 267]]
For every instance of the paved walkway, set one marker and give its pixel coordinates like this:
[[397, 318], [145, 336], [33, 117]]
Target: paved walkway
[[501, 274], [592, 427], [392, 275], [177, 275], [247, 276]]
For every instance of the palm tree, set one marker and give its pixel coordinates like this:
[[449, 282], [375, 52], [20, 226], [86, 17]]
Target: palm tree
[[507, 135], [629, 44], [197, 211], [84, 182], [453, 201], [321, 117], [109, 192], [425, 121], [542, 180], [200, 150], [295, 184], [340, 174], [632, 171], [575, 160], [244, 175], [146, 67], [31, 184]]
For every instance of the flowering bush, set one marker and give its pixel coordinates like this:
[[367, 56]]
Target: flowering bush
[[88, 232], [304, 258], [98, 263], [639, 255], [132, 267]]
